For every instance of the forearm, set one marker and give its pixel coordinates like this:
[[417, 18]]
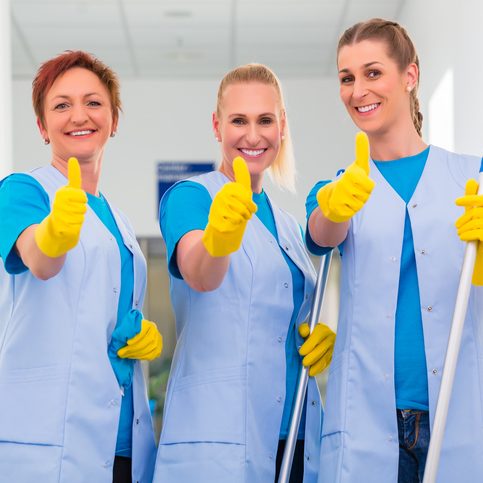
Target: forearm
[[40, 265], [199, 269], [324, 232]]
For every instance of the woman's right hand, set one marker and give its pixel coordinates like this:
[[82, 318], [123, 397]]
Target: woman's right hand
[[146, 345], [340, 200], [230, 211], [59, 231], [318, 347]]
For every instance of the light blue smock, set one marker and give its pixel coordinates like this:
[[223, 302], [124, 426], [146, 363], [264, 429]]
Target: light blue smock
[[176, 221], [360, 436], [226, 390], [59, 397]]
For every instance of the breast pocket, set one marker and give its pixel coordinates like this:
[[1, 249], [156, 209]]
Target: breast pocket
[[32, 405], [209, 407]]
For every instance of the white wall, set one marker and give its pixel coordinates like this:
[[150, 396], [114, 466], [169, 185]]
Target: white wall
[[5, 91], [171, 121], [469, 77], [447, 35]]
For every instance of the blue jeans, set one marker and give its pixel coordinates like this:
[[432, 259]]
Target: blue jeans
[[413, 428]]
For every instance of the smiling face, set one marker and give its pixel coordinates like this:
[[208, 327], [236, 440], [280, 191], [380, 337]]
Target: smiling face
[[78, 116], [373, 88], [249, 124]]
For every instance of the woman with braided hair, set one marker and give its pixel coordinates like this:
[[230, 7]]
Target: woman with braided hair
[[393, 214]]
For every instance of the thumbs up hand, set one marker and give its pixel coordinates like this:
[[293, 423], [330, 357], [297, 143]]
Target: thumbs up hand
[[59, 231], [341, 199], [230, 211]]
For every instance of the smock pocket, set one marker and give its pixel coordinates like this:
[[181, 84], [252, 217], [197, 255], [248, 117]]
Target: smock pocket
[[201, 462], [28, 463], [32, 405], [336, 395], [207, 407], [331, 456], [332, 429]]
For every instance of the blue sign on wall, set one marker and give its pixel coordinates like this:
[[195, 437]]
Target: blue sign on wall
[[169, 172]]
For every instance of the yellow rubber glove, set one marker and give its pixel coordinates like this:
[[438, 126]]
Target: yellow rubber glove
[[470, 225], [230, 210], [59, 231], [342, 198], [147, 345], [318, 348]]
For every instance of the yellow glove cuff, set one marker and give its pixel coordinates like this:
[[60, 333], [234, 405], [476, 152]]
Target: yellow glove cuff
[[219, 244], [47, 241], [323, 199]]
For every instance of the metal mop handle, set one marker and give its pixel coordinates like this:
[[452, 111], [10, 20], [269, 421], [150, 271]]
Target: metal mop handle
[[454, 342], [304, 373]]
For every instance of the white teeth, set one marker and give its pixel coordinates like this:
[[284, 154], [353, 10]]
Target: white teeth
[[252, 152], [80, 133], [368, 108]]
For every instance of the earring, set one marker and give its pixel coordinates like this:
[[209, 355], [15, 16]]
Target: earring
[[113, 134], [409, 88], [46, 141], [283, 137]]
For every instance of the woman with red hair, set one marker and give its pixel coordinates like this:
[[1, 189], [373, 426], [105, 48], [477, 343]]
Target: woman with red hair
[[73, 403]]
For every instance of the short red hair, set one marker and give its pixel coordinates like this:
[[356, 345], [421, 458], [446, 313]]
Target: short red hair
[[50, 70]]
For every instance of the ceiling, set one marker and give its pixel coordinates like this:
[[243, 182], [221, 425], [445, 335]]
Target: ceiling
[[172, 39]]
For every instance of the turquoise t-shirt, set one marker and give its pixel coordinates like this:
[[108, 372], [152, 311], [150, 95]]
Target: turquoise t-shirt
[[175, 221], [23, 202], [101, 208], [410, 371]]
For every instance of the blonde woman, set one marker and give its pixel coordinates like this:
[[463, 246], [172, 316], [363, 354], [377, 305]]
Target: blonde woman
[[241, 284]]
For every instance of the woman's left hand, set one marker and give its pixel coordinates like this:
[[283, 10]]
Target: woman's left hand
[[146, 345], [470, 224], [318, 347]]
